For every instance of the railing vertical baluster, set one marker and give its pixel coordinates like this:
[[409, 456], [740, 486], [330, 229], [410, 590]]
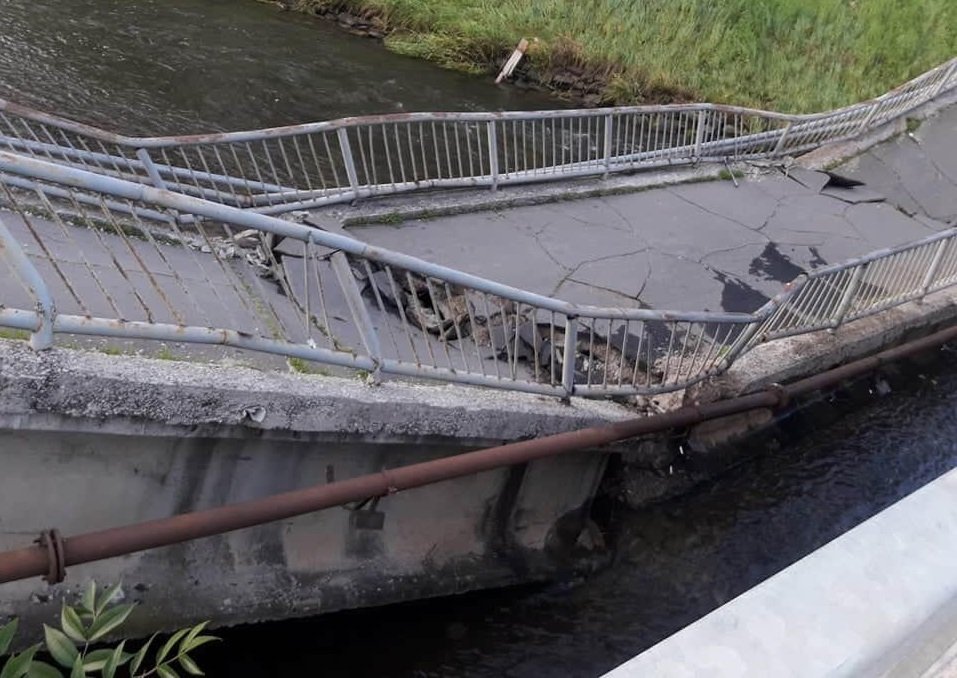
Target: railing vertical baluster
[[143, 156], [492, 153], [933, 267], [568, 355], [950, 73], [845, 305], [609, 130], [870, 116], [359, 311], [349, 161], [699, 134], [784, 135], [42, 337]]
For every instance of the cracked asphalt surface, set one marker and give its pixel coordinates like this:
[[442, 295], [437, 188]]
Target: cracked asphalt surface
[[702, 246]]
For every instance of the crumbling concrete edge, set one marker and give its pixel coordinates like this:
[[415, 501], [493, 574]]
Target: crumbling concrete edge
[[66, 388], [441, 203]]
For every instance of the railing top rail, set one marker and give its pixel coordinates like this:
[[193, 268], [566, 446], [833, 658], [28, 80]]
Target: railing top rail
[[330, 125], [880, 254]]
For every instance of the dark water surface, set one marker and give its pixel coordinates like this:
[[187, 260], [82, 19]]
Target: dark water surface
[[180, 66], [677, 561]]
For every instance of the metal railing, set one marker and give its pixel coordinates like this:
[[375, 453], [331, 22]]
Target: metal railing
[[303, 166], [97, 255]]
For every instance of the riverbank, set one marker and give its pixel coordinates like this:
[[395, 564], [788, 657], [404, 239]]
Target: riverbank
[[784, 55]]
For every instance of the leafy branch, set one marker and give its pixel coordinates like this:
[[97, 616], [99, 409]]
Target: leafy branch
[[92, 619]]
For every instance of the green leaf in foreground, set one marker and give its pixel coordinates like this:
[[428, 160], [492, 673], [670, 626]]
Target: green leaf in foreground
[[190, 666], [40, 669], [198, 642], [7, 632], [141, 655], [117, 658], [166, 671], [71, 624], [105, 599], [18, 665], [96, 660], [109, 620], [88, 599], [169, 645], [60, 647]]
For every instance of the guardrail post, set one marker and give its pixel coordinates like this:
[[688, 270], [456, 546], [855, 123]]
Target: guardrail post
[[569, 353], [784, 135], [699, 134], [359, 311], [932, 269], [950, 72], [740, 345], [845, 304], [609, 128], [493, 153], [349, 161], [151, 170], [870, 116], [42, 337]]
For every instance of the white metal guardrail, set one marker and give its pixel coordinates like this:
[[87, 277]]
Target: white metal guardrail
[[302, 166], [102, 256]]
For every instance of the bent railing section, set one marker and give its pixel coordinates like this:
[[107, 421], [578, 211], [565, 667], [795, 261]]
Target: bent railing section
[[119, 261], [310, 165]]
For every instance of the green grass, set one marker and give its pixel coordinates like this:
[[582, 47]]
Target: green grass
[[302, 366], [789, 55], [13, 334]]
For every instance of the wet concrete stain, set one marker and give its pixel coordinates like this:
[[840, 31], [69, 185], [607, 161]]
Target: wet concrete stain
[[817, 259], [771, 264], [737, 296]]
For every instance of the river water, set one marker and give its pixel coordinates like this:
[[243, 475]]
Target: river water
[[676, 561], [181, 66], [167, 66]]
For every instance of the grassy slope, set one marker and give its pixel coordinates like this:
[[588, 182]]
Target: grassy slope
[[791, 55]]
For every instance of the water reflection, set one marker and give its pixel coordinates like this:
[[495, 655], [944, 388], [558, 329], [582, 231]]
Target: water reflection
[[176, 66]]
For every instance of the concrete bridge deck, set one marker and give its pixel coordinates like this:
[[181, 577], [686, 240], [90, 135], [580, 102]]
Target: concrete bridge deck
[[713, 245], [709, 245]]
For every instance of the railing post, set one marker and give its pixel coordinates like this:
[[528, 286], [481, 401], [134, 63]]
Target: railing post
[[609, 123], [950, 72], [347, 158], [740, 344], [934, 266], [845, 304], [569, 353], [152, 171], [784, 135], [493, 152], [359, 311], [699, 134], [870, 116], [42, 337]]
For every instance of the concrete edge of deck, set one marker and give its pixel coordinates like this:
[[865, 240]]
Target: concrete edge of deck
[[880, 600], [792, 358], [110, 391]]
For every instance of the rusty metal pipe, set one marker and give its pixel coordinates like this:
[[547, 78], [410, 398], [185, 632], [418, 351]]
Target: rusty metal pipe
[[53, 554]]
